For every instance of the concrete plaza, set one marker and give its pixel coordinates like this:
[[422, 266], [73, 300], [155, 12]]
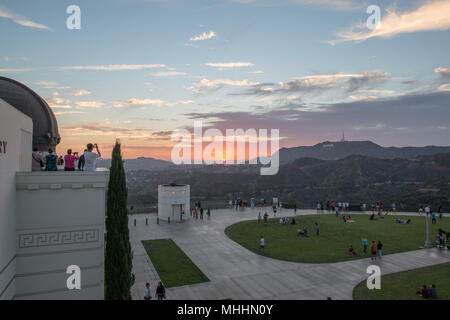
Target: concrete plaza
[[238, 273]]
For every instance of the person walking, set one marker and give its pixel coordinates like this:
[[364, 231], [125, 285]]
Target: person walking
[[259, 217], [433, 217], [317, 228], [380, 249], [160, 291], [208, 213], [147, 292], [440, 212], [201, 213]]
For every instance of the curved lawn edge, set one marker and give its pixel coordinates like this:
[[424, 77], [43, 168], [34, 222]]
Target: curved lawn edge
[[336, 236], [403, 285]]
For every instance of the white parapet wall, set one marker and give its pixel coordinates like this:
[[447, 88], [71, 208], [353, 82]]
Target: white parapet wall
[[48, 221], [60, 222], [173, 202], [16, 131]]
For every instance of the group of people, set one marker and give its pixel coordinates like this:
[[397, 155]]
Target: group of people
[[199, 209], [265, 217], [429, 212], [160, 292], [51, 161], [376, 249], [428, 292]]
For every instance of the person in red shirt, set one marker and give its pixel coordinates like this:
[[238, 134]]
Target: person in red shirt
[[425, 292], [69, 160]]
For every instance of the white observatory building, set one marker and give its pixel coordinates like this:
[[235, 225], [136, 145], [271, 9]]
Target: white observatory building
[[48, 220], [173, 202]]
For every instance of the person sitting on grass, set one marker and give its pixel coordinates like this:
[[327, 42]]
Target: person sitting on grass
[[286, 220], [302, 232], [281, 221], [352, 251], [372, 216], [433, 292], [344, 219], [425, 293], [293, 221]]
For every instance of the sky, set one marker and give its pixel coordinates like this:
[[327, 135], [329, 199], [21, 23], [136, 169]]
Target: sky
[[138, 69]]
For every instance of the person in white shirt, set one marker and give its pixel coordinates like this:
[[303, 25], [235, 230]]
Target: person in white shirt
[[147, 292], [90, 157]]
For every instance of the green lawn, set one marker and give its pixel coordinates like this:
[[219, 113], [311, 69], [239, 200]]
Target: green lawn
[[404, 285], [173, 266], [282, 242]]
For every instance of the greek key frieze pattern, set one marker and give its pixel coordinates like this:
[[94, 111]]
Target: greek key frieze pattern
[[58, 238]]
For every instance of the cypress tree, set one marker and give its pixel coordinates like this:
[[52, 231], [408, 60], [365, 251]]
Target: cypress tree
[[118, 260]]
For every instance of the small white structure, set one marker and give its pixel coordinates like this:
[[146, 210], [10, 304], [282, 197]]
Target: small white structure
[[173, 201]]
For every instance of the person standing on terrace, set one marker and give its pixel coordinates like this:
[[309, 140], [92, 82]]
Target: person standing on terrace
[[69, 160], [90, 157]]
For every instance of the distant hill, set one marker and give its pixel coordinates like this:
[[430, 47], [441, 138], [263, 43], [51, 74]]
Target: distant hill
[[340, 150], [137, 164], [357, 179]]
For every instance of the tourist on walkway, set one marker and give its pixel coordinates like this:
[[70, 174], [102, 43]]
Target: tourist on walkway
[[147, 292], [69, 160], [380, 249], [261, 242], [201, 213], [38, 161], [50, 161], [208, 213], [373, 250], [160, 291], [90, 157]]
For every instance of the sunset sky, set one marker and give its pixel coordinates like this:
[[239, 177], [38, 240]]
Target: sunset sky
[[139, 69]]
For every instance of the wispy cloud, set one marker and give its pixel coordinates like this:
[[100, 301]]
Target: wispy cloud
[[168, 74], [330, 4], [51, 85], [81, 93], [115, 67], [204, 36], [433, 15], [228, 65], [89, 104], [443, 71], [20, 20], [218, 82], [15, 70]]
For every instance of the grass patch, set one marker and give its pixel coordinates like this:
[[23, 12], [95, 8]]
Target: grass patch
[[282, 242], [404, 285], [173, 266]]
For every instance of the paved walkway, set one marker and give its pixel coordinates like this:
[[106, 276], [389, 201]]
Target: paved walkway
[[238, 273]]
